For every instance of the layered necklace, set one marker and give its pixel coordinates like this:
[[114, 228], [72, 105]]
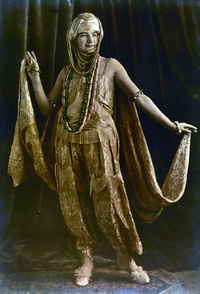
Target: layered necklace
[[85, 61], [88, 98]]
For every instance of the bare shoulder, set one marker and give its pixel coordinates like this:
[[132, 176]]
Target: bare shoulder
[[111, 64], [116, 65], [102, 63], [60, 79], [112, 61], [62, 73]]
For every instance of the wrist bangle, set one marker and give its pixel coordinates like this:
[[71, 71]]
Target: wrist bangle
[[35, 69], [136, 95], [179, 131], [51, 102]]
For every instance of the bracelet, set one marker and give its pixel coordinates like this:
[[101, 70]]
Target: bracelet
[[35, 69], [136, 95], [51, 102], [179, 131]]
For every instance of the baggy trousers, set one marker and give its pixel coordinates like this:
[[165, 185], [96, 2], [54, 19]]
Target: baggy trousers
[[91, 187]]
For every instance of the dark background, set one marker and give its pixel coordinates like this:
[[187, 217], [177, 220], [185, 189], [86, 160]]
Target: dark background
[[158, 42]]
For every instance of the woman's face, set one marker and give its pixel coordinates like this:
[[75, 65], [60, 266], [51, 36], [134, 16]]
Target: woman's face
[[88, 40]]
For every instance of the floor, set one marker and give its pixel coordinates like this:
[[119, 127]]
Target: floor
[[184, 282], [104, 281]]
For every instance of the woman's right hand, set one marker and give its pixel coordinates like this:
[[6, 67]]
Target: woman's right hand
[[32, 65]]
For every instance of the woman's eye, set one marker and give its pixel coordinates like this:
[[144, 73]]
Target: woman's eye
[[82, 35]]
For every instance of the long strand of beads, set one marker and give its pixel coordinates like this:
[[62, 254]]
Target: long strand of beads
[[84, 105], [93, 93], [63, 91], [66, 98]]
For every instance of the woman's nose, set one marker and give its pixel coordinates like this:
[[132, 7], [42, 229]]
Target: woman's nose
[[89, 39]]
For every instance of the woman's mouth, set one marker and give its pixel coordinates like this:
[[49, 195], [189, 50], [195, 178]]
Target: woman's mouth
[[89, 46]]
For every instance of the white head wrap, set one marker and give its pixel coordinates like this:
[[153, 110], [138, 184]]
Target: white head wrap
[[80, 24]]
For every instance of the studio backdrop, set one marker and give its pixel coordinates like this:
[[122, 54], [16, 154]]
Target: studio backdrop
[[158, 42]]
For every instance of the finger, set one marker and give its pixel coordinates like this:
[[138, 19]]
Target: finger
[[29, 57], [27, 52], [188, 126], [26, 59], [34, 56], [193, 129], [187, 131]]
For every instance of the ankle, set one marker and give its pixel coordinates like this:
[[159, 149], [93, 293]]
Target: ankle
[[123, 261]]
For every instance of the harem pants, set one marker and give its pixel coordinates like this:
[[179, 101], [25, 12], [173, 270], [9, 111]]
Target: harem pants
[[90, 186]]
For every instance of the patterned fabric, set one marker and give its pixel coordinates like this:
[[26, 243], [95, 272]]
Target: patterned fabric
[[27, 156], [91, 163], [148, 199], [95, 166]]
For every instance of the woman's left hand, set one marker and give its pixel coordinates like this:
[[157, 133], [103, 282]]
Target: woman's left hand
[[187, 128]]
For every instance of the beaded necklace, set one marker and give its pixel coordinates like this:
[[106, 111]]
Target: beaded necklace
[[85, 65], [88, 99], [75, 57]]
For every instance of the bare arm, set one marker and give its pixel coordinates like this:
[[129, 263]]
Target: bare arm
[[144, 102], [42, 100]]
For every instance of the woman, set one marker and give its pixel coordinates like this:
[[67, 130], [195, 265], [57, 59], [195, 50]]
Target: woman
[[87, 146]]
